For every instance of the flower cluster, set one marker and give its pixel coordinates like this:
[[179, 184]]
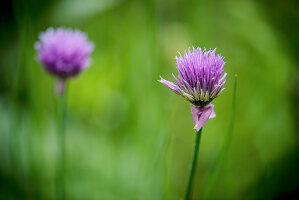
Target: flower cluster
[[63, 52], [199, 81]]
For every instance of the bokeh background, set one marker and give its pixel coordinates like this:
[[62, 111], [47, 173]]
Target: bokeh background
[[130, 137]]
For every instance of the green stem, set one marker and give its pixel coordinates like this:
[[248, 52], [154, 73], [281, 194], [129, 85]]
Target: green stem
[[60, 184], [193, 164]]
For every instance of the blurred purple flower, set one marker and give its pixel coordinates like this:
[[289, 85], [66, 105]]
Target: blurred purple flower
[[63, 52], [199, 81]]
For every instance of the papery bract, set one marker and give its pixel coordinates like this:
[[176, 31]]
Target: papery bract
[[201, 114]]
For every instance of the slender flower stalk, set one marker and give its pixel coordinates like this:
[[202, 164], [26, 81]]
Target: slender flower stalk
[[61, 145], [64, 53], [193, 163], [200, 80]]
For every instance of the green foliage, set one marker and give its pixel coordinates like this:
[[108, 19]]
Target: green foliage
[[127, 135]]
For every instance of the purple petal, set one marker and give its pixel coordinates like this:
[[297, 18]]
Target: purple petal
[[170, 85], [180, 85], [201, 114]]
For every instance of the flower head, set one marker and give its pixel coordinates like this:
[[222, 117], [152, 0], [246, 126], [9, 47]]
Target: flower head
[[63, 52], [199, 81]]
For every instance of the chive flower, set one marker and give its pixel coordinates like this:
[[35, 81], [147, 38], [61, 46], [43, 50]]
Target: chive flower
[[199, 81], [63, 52]]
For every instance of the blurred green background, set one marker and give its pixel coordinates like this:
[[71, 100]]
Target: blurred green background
[[130, 137]]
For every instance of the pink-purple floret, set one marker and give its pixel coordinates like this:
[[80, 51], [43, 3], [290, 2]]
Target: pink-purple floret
[[199, 76], [63, 52]]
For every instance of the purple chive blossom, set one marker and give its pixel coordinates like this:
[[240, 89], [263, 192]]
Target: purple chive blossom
[[63, 52], [199, 81]]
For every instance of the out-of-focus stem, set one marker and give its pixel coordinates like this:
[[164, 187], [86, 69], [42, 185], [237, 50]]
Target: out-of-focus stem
[[60, 183]]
